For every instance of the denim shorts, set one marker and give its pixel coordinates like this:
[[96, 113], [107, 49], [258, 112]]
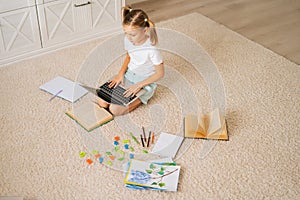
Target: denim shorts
[[132, 78]]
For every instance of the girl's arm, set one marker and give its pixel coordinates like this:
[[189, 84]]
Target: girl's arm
[[120, 77], [159, 74]]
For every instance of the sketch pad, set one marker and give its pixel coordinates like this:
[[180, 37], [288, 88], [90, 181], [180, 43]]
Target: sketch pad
[[145, 175], [71, 91], [167, 145]]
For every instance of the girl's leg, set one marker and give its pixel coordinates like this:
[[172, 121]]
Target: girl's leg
[[103, 103], [121, 110]]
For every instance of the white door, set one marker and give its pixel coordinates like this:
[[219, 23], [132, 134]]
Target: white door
[[19, 32], [56, 22], [106, 14]]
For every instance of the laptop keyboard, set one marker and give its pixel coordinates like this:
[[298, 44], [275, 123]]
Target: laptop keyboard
[[113, 95]]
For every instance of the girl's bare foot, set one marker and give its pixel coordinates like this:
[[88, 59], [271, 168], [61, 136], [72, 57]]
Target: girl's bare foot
[[102, 103]]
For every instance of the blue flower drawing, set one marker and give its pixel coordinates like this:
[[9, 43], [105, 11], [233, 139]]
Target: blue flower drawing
[[139, 177]]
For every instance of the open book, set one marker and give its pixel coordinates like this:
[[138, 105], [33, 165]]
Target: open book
[[209, 126], [89, 115]]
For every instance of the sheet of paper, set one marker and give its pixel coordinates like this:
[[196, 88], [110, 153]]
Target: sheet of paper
[[71, 91], [201, 124], [161, 160], [152, 175], [214, 121], [167, 145]]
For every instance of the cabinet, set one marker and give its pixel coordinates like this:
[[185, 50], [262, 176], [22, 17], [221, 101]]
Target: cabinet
[[19, 30], [30, 27], [67, 20]]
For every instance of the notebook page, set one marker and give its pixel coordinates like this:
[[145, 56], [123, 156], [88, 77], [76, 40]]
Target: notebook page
[[214, 121]]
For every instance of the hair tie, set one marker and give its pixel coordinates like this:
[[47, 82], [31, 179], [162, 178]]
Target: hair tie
[[145, 19]]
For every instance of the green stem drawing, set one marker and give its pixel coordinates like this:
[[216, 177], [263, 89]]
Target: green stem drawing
[[161, 177]]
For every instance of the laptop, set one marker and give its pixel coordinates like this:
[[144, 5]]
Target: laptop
[[114, 95]]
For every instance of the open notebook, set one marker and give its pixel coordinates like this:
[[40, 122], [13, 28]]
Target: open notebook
[[89, 115], [64, 88]]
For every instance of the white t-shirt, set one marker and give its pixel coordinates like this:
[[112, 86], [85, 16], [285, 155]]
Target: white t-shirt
[[142, 58]]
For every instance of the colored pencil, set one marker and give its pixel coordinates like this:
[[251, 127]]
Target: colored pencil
[[149, 139], [152, 138], [134, 138], [144, 134], [142, 139], [55, 95]]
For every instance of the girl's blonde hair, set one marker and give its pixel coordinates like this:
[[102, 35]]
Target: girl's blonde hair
[[138, 18]]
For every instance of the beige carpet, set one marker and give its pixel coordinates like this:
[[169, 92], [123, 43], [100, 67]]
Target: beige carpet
[[40, 145]]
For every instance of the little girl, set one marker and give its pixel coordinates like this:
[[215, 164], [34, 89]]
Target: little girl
[[143, 65]]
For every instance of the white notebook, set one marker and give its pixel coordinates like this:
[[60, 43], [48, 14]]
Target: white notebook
[[167, 145], [64, 88]]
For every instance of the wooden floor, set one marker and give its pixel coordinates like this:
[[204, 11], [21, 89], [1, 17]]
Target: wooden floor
[[274, 24]]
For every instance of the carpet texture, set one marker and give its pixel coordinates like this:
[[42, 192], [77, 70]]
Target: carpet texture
[[40, 145]]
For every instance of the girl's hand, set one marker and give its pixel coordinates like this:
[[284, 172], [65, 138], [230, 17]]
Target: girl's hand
[[116, 81], [132, 90]]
